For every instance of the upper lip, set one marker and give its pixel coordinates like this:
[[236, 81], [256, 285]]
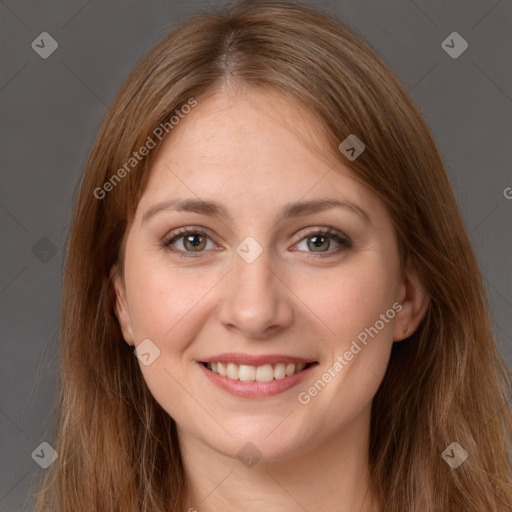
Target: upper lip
[[255, 360]]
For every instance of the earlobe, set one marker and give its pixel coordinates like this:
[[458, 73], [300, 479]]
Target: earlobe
[[121, 306], [415, 300]]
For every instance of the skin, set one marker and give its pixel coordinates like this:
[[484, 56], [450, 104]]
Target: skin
[[253, 152]]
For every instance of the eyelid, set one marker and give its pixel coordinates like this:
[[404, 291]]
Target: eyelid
[[315, 230]]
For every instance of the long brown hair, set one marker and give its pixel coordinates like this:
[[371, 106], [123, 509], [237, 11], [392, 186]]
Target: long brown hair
[[446, 383]]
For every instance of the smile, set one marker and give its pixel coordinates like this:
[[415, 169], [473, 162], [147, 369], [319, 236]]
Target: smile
[[256, 377], [248, 373]]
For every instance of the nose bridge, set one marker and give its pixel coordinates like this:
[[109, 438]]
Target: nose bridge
[[252, 267], [257, 299]]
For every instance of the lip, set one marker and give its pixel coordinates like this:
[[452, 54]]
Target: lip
[[254, 389], [255, 360]]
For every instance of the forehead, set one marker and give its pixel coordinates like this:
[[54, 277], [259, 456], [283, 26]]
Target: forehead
[[255, 145]]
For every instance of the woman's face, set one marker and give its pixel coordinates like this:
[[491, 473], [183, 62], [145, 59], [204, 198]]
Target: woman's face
[[255, 285]]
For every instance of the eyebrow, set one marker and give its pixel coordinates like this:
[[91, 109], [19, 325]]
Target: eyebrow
[[290, 210]]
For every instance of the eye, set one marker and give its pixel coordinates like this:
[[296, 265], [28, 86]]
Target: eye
[[193, 240], [319, 242]]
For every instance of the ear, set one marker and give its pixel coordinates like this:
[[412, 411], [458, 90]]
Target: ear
[[415, 300], [121, 305]]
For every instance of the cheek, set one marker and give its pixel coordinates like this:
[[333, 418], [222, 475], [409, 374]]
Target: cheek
[[162, 310], [160, 299], [358, 339], [350, 299]]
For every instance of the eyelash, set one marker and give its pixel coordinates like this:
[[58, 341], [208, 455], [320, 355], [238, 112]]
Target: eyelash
[[344, 241]]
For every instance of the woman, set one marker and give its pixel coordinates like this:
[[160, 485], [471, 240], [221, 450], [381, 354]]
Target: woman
[[270, 299]]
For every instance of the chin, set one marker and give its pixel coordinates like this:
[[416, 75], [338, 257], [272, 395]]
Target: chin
[[266, 439]]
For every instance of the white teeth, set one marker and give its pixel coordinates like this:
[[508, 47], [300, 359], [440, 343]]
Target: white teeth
[[232, 371], [246, 372], [280, 371], [221, 369], [263, 373]]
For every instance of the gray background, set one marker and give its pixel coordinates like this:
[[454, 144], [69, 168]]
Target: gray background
[[51, 109]]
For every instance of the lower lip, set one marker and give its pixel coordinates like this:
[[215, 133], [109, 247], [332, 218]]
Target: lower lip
[[254, 389]]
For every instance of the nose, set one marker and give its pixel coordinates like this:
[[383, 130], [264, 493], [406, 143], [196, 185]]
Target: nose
[[257, 302]]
